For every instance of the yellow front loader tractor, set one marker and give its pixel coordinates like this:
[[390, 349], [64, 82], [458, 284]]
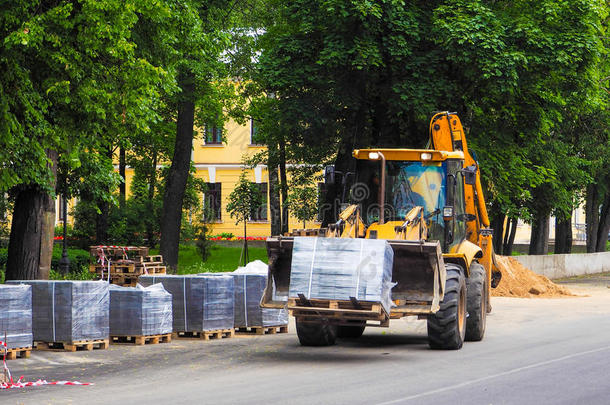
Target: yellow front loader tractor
[[429, 206]]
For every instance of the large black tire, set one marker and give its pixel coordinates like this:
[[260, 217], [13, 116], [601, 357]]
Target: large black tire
[[447, 328], [351, 332], [476, 287], [316, 334]]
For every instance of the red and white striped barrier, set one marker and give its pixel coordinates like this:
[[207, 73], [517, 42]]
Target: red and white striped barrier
[[22, 384]]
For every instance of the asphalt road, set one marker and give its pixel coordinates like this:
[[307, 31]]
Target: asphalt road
[[536, 351]]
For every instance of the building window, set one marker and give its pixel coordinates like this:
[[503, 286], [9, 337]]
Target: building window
[[254, 135], [211, 202], [213, 135], [260, 213]]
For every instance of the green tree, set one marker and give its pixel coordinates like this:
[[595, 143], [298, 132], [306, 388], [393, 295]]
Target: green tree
[[351, 73], [69, 76], [243, 200]]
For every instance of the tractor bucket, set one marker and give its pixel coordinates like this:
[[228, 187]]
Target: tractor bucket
[[418, 271]]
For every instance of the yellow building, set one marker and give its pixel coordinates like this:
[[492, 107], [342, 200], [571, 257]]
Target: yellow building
[[217, 156]]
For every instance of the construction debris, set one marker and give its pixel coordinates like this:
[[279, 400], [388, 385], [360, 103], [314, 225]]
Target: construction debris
[[519, 281]]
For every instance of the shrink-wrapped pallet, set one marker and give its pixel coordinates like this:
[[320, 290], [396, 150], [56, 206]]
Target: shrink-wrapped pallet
[[249, 287], [69, 311], [16, 315], [339, 269], [199, 303], [140, 311], [248, 312]]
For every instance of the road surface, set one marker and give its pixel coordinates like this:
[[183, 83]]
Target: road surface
[[536, 351]]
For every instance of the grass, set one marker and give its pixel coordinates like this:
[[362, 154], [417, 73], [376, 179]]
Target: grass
[[222, 258]]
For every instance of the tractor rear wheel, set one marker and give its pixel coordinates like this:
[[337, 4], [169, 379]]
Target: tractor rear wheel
[[349, 331], [316, 333], [476, 287], [447, 327]]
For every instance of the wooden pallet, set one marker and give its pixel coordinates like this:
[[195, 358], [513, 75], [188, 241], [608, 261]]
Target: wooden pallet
[[139, 340], [73, 346], [23, 352], [338, 310], [261, 330], [205, 335], [152, 269]]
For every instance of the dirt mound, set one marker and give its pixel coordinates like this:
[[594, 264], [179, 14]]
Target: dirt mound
[[519, 281]]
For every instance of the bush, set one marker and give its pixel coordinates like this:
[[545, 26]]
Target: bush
[[79, 259], [79, 264]]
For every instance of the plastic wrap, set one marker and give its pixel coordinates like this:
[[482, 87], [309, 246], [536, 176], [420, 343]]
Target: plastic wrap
[[69, 311], [16, 315], [199, 303], [248, 293], [140, 311], [334, 268]]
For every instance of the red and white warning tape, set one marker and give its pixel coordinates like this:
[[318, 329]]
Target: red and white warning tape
[[22, 384]]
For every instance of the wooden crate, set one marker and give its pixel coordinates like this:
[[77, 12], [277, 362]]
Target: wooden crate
[[261, 330], [139, 340], [72, 346], [206, 335]]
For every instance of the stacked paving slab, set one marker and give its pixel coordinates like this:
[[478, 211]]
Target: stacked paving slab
[[200, 303], [16, 316], [69, 311]]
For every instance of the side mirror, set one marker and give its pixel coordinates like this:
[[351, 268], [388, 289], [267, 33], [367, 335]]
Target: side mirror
[[470, 175], [329, 175]]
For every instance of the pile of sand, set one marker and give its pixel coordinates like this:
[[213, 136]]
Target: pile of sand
[[519, 281]]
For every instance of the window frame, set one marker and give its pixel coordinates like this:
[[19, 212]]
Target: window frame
[[214, 191], [216, 135]]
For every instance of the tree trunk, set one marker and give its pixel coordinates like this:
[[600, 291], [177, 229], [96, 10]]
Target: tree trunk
[[274, 199], [101, 223], [497, 224], [284, 187], [604, 225], [332, 198], [178, 172], [508, 249], [152, 184], [539, 240], [26, 235], [592, 217], [101, 220], [48, 222], [122, 186], [563, 235]]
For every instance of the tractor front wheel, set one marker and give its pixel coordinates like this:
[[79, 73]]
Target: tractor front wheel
[[447, 327], [316, 333]]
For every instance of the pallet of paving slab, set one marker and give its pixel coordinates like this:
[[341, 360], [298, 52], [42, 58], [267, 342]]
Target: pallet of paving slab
[[139, 340], [72, 346], [205, 335], [22, 352], [261, 330]]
